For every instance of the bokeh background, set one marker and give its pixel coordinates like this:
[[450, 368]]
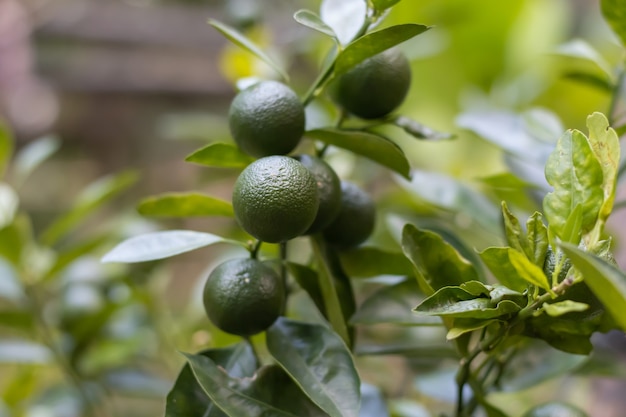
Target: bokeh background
[[139, 84]]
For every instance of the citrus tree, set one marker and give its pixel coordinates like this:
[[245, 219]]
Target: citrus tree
[[544, 286]]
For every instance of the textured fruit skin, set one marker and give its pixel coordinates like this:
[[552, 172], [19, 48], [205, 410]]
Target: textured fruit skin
[[329, 191], [356, 219], [243, 296], [375, 87], [275, 199], [266, 118], [555, 409]]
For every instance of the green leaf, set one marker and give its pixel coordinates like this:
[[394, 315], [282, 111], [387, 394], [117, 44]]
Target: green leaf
[[91, 198], [614, 11], [159, 245], [9, 203], [515, 236], [368, 262], [228, 393], [187, 398], [605, 145], [437, 264], [374, 43], [32, 155], [450, 194], [345, 17], [458, 303], [184, 205], [6, 146], [418, 130], [220, 155], [381, 5], [370, 145], [393, 304], [314, 21], [563, 307], [572, 230], [596, 81], [606, 281], [243, 42], [576, 175], [463, 326], [319, 362], [498, 261], [308, 280], [580, 50], [537, 234], [527, 270]]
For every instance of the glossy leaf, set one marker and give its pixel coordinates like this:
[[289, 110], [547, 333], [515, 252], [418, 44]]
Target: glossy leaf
[[184, 205], [187, 397], [345, 17], [308, 280], [220, 155], [228, 393], [90, 199], [320, 363], [418, 130], [374, 43], [243, 42], [576, 175], [436, 262], [537, 235], [32, 155], [451, 194], [365, 262], [614, 11], [463, 326], [458, 303], [314, 21], [9, 202], [159, 245], [563, 307], [605, 145], [393, 304], [381, 5], [6, 146], [527, 270], [498, 261], [607, 282], [369, 145]]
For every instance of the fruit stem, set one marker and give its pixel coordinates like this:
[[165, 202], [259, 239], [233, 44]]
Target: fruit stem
[[254, 249]]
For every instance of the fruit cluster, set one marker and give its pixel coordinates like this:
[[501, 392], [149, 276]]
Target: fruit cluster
[[278, 197]]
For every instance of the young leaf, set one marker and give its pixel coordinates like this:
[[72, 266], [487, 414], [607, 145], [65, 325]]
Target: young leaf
[[563, 307], [6, 146], [572, 230], [314, 21], [90, 199], [381, 5], [393, 304], [220, 155], [418, 130], [515, 236], [576, 175], [240, 40], [159, 245], [32, 155], [345, 17], [229, 393], [372, 146], [614, 11], [498, 262], [184, 205], [463, 326], [537, 234], [187, 397], [373, 43], [319, 362], [605, 145], [366, 262], [527, 270], [606, 281], [436, 262]]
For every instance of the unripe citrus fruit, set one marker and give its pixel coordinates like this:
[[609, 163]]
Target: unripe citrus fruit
[[275, 199], [555, 409], [375, 87], [328, 188], [356, 218], [266, 118], [243, 296]]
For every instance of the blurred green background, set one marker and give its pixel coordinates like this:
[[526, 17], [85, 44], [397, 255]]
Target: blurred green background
[[139, 84]]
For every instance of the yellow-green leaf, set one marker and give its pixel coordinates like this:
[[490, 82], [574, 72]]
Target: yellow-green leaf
[[184, 205]]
